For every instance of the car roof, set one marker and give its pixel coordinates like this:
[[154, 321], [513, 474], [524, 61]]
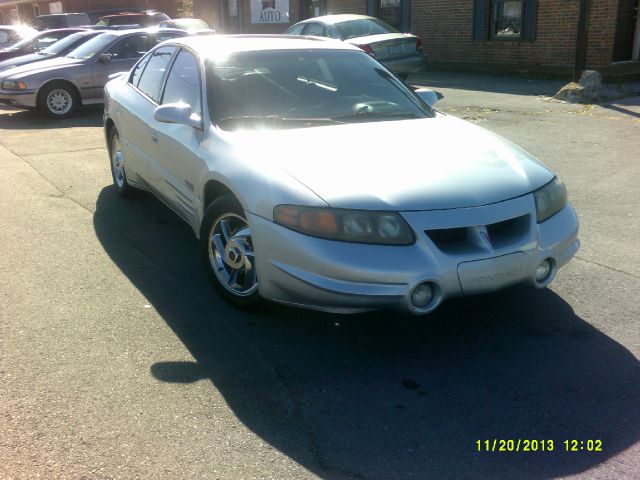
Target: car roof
[[131, 31], [66, 29], [59, 15], [146, 13], [212, 46], [334, 19], [15, 27]]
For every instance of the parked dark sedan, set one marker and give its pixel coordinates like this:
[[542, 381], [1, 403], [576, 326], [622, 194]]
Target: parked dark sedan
[[58, 49], [401, 53], [147, 18], [36, 43], [61, 20]]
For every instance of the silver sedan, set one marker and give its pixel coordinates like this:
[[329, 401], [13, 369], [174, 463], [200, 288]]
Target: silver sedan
[[314, 177], [57, 86]]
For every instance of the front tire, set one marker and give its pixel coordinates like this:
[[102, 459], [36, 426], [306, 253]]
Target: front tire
[[117, 165], [58, 100], [227, 254]]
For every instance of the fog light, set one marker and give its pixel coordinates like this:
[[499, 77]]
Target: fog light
[[422, 295], [543, 270]]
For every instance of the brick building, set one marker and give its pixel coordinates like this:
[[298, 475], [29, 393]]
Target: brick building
[[506, 34], [487, 34], [24, 11]]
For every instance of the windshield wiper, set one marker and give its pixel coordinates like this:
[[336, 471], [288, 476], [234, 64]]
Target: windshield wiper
[[278, 120], [365, 116]]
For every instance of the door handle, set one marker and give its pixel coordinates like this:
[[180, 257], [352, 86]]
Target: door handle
[[154, 137]]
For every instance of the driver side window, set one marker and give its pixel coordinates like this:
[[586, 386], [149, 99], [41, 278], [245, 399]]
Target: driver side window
[[183, 82]]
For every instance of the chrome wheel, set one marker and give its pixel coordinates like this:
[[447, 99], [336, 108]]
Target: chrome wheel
[[117, 161], [59, 101], [231, 255]]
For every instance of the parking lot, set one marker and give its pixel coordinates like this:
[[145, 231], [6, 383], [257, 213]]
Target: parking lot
[[117, 360]]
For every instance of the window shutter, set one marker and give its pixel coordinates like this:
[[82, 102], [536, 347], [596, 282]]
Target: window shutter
[[371, 8], [479, 20], [406, 15], [530, 13]]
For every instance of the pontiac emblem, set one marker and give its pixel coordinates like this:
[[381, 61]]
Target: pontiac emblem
[[485, 236]]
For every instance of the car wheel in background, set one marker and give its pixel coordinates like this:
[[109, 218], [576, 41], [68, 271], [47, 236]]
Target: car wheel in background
[[227, 253], [58, 99], [117, 165]]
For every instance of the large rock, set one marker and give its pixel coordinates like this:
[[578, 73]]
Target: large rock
[[584, 92], [590, 80]]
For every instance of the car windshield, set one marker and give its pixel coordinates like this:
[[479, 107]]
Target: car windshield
[[293, 89], [363, 27], [65, 43], [22, 44], [93, 47]]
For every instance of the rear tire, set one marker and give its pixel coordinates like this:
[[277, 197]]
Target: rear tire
[[58, 99], [226, 250]]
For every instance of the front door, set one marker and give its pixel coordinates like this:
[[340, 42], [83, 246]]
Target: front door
[[124, 54], [177, 145]]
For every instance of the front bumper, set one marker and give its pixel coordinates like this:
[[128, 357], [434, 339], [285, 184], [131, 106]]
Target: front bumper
[[347, 277], [19, 98]]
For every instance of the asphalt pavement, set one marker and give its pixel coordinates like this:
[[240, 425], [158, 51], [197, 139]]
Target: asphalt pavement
[[117, 360]]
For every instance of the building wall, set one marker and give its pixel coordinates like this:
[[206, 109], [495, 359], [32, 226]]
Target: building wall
[[358, 7], [452, 40]]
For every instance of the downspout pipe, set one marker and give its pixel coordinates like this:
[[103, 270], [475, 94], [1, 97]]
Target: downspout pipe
[[582, 38]]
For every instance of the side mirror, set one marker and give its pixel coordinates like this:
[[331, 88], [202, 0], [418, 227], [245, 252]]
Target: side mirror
[[104, 58], [177, 113], [429, 96]]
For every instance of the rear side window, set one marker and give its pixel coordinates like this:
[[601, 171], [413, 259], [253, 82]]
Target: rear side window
[[183, 82], [315, 29], [151, 78], [296, 29], [130, 47], [138, 69]]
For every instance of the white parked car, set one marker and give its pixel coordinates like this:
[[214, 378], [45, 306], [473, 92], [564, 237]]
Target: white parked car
[[314, 177]]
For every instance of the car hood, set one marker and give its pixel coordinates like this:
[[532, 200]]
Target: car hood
[[23, 60], [422, 164], [44, 66]]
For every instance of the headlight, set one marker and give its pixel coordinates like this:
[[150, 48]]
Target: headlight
[[361, 226], [13, 85], [550, 199]]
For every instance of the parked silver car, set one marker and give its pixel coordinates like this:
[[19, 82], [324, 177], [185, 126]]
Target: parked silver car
[[402, 53], [58, 49], [59, 85], [314, 177]]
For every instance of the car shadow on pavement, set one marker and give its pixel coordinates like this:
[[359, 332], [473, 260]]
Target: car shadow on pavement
[[33, 120], [384, 395], [512, 85]]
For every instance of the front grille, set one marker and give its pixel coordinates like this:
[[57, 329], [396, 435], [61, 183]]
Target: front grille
[[501, 234]]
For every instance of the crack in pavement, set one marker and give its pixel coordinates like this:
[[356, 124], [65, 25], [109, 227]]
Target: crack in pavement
[[607, 267]]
